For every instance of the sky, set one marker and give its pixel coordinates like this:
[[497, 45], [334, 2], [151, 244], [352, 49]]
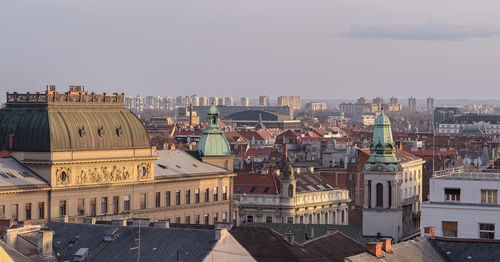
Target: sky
[[327, 49]]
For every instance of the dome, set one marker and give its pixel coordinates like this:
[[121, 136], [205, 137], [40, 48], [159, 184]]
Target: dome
[[213, 142], [382, 148], [70, 126]]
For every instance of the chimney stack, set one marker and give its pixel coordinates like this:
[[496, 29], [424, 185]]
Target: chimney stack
[[429, 231], [386, 244], [45, 243], [89, 220], [11, 141], [119, 222], [375, 248]]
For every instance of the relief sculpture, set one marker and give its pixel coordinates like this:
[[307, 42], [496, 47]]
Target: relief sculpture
[[103, 174]]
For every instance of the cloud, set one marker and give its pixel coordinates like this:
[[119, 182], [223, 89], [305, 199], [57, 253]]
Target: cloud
[[426, 32]]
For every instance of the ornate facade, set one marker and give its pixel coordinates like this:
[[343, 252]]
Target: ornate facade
[[95, 159]]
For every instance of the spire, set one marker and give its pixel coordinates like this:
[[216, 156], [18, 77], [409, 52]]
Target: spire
[[213, 142], [382, 148]]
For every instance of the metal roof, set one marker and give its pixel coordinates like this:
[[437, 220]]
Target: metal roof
[[14, 175], [177, 162]]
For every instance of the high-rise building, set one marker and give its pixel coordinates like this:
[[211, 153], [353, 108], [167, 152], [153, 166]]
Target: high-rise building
[[316, 106], [362, 100], [244, 101], [222, 101], [229, 101], [431, 103], [378, 100], [412, 104], [393, 100], [195, 100], [213, 101], [263, 101], [294, 102], [204, 101]]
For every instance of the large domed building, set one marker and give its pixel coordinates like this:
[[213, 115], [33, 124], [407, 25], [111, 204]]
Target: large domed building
[[77, 154]]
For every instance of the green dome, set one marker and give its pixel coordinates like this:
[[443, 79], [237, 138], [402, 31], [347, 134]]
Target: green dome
[[213, 142]]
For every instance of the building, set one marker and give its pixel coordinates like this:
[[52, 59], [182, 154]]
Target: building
[[213, 101], [293, 196], [294, 102], [85, 155], [316, 106], [263, 101], [431, 104], [393, 100], [463, 204], [245, 101], [470, 124], [221, 101], [412, 104], [229, 101], [392, 194]]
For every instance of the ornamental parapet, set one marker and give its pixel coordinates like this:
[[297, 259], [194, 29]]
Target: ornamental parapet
[[76, 94]]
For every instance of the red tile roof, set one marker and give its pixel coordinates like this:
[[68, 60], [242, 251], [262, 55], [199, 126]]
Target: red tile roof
[[246, 183]]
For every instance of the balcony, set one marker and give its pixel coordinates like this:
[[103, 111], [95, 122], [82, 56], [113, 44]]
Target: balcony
[[411, 200]]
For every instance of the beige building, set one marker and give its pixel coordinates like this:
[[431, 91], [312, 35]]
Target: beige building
[[77, 155], [316, 106]]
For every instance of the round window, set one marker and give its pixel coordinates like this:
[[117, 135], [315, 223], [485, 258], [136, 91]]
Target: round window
[[64, 176]]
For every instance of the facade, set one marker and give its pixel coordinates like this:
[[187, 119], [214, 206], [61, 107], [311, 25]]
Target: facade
[[86, 155], [316, 106], [291, 197], [392, 193], [463, 204], [470, 124], [263, 101]]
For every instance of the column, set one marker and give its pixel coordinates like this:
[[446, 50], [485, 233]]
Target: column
[[386, 194], [373, 194]]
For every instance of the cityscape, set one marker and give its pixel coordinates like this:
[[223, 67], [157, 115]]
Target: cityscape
[[277, 162]]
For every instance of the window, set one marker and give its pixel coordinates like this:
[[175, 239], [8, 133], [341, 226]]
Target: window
[[489, 196], [302, 219], [289, 220], [62, 208], [126, 203], [28, 211], [41, 210], [224, 193], [188, 196], [216, 194], [197, 195], [115, 206], [177, 197], [143, 201], [343, 216], [269, 219], [178, 220], [380, 195], [249, 219], [326, 218], [318, 219], [93, 207], [310, 219], [167, 198], [207, 195], [197, 221], [452, 194], [80, 209], [487, 231], [187, 220], [104, 205], [450, 228], [14, 212], [206, 219], [157, 199], [216, 218], [2, 211], [224, 217]]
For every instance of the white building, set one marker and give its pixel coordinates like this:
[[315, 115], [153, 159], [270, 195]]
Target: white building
[[463, 204]]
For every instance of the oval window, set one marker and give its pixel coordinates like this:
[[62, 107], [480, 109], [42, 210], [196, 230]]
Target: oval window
[[64, 176]]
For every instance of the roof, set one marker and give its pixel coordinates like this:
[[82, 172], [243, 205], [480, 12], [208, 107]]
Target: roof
[[245, 183], [179, 163], [157, 244], [213, 142], [310, 182], [468, 249], [420, 249], [403, 156], [65, 126], [250, 134], [301, 230], [335, 246], [265, 244], [14, 175]]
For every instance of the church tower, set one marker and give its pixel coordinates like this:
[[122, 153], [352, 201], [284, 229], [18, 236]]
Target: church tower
[[213, 147], [383, 209]]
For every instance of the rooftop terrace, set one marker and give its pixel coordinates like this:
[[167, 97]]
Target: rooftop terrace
[[461, 173]]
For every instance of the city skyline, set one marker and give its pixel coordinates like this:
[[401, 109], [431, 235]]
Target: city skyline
[[338, 49]]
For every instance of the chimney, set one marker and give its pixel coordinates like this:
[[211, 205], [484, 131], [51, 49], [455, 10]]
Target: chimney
[[119, 222], [81, 254], [429, 231], [11, 141], [311, 169], [386, 244], [289, 237], [375, 248], [219, 233], [89, 220], [45, 243]]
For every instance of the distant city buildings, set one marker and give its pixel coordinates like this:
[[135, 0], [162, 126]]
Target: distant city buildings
[[316, 106], [263, 101], [362, 106], [412, 104], [244, 101], [431, 104], [294, 102]]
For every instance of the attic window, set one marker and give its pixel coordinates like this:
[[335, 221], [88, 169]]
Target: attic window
[[25, 174], [238, 190], [266, 189], [195, 165], [252, 189], [3, 175], [163, 166], [11, 175], [178, 166]]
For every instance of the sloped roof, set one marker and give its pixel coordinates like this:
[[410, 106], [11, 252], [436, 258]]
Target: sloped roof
[[157, 244], [468, 249], [14, 175], [335, 246], [250, 134], [246, 183], [179, 163], [309, 182]]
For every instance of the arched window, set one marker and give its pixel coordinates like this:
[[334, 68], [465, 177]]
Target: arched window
[[318, 219], [343, 216], [326, 218], [380, 195], [333, 218], [310, 219]]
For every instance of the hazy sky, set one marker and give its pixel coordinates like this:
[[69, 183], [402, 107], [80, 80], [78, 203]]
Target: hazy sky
[[316, 49]]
